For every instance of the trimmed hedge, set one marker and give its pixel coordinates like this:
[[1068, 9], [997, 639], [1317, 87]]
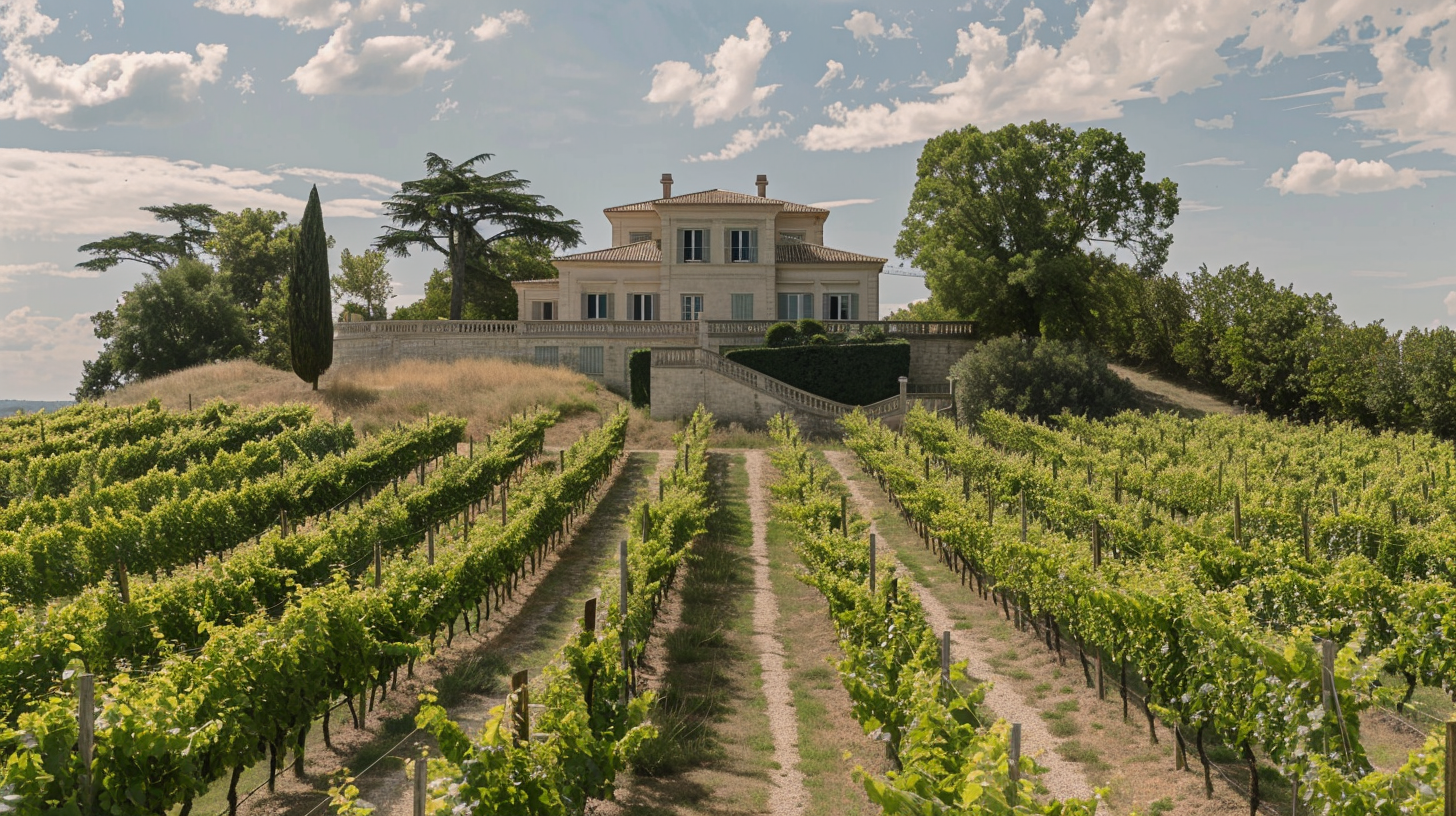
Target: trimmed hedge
[[857, 374], [639, 376], [1039, 378]]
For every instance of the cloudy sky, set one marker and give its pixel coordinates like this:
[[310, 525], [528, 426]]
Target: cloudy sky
[[1314, 140]]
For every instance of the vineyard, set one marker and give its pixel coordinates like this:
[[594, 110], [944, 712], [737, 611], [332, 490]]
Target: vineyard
[[194, 603]]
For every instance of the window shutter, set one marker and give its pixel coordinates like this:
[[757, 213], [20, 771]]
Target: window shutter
[[808, 306], [854, 307], [652, 312], [753, 245], [535, 310], [783, 307], [584, 315], [707, 252], [611, 305]]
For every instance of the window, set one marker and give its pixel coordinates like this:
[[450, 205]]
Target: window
[[543, 310], [792, 236], [795, 306], [644, 307], [743, 246], [548, 355], [694, 245], [742, 307], [597, 306], [638, 237], [841, 307], [589, 360], [692, 307]]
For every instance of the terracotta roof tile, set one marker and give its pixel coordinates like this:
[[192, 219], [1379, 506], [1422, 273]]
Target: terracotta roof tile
[[813, 253], [716, 197], [640, 252]]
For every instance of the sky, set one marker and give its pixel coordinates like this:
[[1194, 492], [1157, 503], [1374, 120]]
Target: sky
[[1313, 140]]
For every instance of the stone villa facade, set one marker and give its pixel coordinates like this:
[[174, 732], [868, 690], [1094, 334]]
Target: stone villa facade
[[714, 255]]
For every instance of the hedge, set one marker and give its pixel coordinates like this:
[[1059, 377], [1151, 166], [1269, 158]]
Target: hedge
[[857, 374], [639, 376]]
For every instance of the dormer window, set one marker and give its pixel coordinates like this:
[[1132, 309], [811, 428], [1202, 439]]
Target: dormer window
[[743, 246], [694, 245], [792, 237], [638, 237]]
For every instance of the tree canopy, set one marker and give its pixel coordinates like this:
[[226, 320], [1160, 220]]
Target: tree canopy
[[444, 212], [1019, 228], [488, 292], [364, 277], [194, 228], [310, 316], [253, 248]]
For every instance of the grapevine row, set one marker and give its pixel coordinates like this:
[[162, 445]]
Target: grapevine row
[[84, 427]]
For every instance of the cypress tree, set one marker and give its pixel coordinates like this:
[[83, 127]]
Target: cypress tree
[[311, 329]]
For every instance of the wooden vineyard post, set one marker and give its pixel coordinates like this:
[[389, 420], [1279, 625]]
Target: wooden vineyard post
[[659, 491], [422, 780], [1304, 529], [1335, 501], [622, 590], [1089, 475], [894, 591], [562, 464], [1220, 478], [504, 496], [646, 522], [86, 719], [472, 446], [872, 565], [1238, 522], [1451, 768], [1117, 487], [1327, 675], [1101, 686], [521, 707], [844, 514], [1096, 542], [990, 505], [430, 541], [589, 616], [945, 659], [965, 487], [1021, 501], [123, 585], [1013, 762], [1180, 759], [378, 566]]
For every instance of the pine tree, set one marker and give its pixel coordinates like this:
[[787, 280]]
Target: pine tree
[[310, 324]]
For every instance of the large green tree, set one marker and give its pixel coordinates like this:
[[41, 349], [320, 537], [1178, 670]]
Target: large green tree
[[253, 248], [444, 212], [310, 316], [488, 291], [177, 317], [1020, 229], [194, 228], [365, 278]]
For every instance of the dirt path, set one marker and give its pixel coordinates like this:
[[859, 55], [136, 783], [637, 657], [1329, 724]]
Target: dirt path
[[788, 795], [1063, 780], [1166, 395]]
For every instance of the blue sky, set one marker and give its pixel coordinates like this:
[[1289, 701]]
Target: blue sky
[[1313, 140]]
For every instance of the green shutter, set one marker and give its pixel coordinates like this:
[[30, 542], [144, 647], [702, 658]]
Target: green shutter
[[611, 305], [808, 310]]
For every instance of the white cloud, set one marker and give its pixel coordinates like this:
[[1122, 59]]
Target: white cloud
[[446, 107], [1225, 122], [40, 356], [1444, 280], [491, 28], [884, 86], [1188, 205], [1315, 172], [309, 15], [135, 88], [313, 175], [727, 90], [857, 83], [784, 36], [864, 25], [843, 202], [244, 83], [59, 195], [10, 272], [1450, 303], [742, 142], [381, 65], [833, 70], [1216, 161], [118, 10], [1377, 273]]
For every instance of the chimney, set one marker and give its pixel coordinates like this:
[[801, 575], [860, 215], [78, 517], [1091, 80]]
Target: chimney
[[667, 185], [762, 186]]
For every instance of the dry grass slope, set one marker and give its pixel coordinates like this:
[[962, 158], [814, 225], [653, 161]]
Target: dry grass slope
[[483, 391]]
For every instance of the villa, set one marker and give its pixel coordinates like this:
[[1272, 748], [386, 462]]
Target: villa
[[712, 255]]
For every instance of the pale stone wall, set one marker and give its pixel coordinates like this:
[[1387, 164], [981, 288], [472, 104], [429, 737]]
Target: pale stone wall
[[677, 392], [932, 357]]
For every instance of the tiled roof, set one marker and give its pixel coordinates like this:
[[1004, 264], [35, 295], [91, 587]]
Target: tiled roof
[[813, 253], [640, 252], [717, 197]]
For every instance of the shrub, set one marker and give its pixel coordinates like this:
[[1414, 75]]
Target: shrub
[[873, 334], [808, 327], [781, 334], [854, 374], [639, 376], [819, 340], [1038, 378]]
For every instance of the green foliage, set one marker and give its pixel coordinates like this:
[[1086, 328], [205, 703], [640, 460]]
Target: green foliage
[[270, 327], [1001, 222], [488, 293], [194, 228], [856, 374], [928, 309], [310, 312], [808, 327], [781, 334], [639, 372], [253, 248], [363, 276], [444, 211], [178, 317], [1038, 378]]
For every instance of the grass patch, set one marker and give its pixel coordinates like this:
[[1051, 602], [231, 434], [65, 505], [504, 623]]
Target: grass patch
[[477, 674], [1074, 751]]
